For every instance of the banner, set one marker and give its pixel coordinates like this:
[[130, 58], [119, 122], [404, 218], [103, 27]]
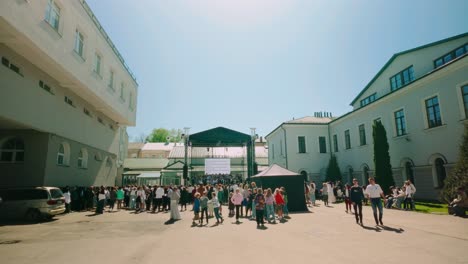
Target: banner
[[217, 166]]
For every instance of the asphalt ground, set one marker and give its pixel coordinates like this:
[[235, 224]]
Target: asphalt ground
[[323, 235]]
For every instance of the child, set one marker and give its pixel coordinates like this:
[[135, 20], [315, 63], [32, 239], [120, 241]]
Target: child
[[196, 208], [204, 207], [231, 205], [325, 194], [216, 205]]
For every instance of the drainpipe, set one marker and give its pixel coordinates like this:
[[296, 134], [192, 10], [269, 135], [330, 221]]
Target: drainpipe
[[285, 147]]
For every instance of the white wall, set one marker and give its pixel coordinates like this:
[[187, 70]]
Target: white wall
[[25, 31], [422, 61]]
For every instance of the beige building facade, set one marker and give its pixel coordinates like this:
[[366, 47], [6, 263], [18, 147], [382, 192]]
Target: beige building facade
[[66, 96], [421, 98]]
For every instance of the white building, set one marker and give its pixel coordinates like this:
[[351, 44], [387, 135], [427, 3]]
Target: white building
[[420, 96], [66, 96]]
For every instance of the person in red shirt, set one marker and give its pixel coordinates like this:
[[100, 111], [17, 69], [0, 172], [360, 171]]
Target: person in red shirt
[[279, 200]]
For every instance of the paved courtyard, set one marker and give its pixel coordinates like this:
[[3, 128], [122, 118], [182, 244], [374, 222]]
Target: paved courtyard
[[325, 235]]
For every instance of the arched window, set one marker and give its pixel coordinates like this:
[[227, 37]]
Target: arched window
[[109, 162], [63, 154], [409, 171], [83, 159], [365, 174], [440, 172], [12, 150]]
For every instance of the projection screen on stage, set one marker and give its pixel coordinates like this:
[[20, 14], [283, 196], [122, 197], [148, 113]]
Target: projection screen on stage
[[217, 166]]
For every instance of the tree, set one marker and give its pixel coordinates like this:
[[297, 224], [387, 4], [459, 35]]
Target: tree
[[383, 167], [333, 170], [162, 135], [459, 176], [141, 138]]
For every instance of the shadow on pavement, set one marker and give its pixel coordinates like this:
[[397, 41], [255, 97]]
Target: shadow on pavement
[[20, 222], [376, 229], [396, 230], [170, 221], [91, 215], [262, 227]]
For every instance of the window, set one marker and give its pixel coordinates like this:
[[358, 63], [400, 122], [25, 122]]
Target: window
[[130, 102], [465, 99], [69, 101], [281, 147], [12, 151], [79, 43], [365, 172], [322, 145], [440, 172], [111, 80], [433, 112], [273, 150], [97, 64], [362, 135], [52, 15], [402, 78], [371, 98], [122, 92], [456, 53], [347, 139], [400, 123], [409, 171], [86, 112], [109, 162], [83, 159], [11, 66], [63, 154], [46, 87], [301, 144], [335, 143]]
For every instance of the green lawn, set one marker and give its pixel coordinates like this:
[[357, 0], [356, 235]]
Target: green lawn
[[437, 208]]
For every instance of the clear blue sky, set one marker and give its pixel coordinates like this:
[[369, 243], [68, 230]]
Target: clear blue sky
[[257, 63]]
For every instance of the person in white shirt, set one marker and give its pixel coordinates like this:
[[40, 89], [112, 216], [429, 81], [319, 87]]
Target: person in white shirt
[[409, 192], [174, 195], [67, 197], [158, 198], [374, 193]]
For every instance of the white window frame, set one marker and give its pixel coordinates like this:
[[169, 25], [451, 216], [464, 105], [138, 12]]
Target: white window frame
[[424, 111], [65, 156], [122, 91], [52, 15], [79, 39], [395, 128], [97, 67], [305, 145], [111, 79], [83, 159]]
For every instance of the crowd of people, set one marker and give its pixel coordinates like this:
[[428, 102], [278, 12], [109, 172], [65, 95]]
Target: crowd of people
[[242, 200]]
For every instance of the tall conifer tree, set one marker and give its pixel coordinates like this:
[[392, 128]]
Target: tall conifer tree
[[333, 170], [383, 167], [459, 176]]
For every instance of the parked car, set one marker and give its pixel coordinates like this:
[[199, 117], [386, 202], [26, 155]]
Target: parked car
[[31, 203]]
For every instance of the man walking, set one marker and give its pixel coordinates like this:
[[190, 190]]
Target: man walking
[[374, 193], [356, 197]]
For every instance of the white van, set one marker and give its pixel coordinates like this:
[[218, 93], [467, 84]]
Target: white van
[[31, 203]]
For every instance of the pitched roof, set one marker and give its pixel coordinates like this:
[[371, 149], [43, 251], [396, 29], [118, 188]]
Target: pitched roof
[[135, 145], [402, 53], [275, 170], [310, 120], [216, 152], [144, 163], [161, 146]]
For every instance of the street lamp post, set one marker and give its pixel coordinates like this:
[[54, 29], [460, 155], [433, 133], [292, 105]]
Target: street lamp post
[[185, 168]]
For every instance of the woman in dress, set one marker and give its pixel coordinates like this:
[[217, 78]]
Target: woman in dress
[[175, 196]]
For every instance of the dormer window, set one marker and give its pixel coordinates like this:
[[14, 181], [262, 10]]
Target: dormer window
[[458, 52], [402, 78]]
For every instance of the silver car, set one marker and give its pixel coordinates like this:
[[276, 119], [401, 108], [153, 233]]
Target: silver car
[[31, 203]]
